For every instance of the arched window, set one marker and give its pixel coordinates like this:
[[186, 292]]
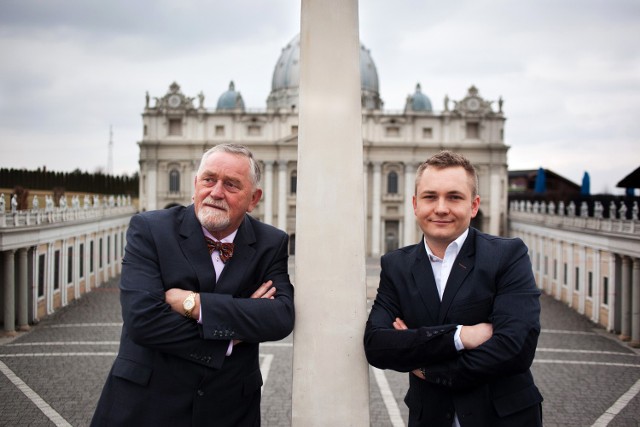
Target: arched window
[[392, 183], [174, 181], [294, 182]]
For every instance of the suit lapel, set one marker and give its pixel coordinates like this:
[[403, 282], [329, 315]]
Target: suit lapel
[[425, 282], [462, 266], [195, 250], [234, 271]]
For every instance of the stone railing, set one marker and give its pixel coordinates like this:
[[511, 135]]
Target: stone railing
[[92, 208], [549, 214]]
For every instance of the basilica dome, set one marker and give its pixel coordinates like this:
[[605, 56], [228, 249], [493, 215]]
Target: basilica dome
[[230, 100], [286, 79], [418, 101]]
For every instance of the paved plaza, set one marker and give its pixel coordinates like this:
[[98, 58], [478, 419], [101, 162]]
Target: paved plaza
[[53, 374]]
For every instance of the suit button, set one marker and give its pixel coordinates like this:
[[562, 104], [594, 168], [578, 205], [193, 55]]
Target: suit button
[[449, 415], [200, 393]]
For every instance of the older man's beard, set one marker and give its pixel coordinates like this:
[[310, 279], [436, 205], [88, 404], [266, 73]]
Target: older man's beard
[[211, 218]]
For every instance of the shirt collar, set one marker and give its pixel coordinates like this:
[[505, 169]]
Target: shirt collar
[[227, 239], [454, 246]]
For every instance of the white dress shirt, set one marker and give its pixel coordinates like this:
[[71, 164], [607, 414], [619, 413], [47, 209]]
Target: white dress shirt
[[441, 271]]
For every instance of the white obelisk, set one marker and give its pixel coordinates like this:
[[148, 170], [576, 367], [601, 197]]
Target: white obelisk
[[330, 372]]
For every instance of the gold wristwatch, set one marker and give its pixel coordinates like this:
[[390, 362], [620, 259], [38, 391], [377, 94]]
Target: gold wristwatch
[[188, 304]]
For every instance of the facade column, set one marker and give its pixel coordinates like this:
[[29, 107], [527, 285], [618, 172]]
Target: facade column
[[596, 298], [612, 293], [87, 261], [63, 273], [152, 185], [635, 303], [76, 266], [49, 279], [23, 291], [625, 300], [582, 295], [267, 194], [494, 202], [558, 270], [9, 293], [330, 371], [375, 209], [282, 195], [409, 190], [365, 200], [190, 187], [570, 276]]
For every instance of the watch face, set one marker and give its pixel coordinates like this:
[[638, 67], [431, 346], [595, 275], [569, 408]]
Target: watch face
[[188, 304], [473, 104], [174, 101]]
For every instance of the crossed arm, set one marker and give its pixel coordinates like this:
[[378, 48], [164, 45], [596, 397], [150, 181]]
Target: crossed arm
[[471, 337], [176, 296]]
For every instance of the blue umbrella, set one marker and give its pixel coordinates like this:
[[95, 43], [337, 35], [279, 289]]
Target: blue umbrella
[[541, 182], [586, 185]]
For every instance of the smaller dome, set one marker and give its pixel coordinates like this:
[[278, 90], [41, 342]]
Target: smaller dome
[[230, 100], [418, 101]]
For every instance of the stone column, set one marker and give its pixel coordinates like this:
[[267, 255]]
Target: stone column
[[625, 300], [282, 195], [612, 293], [63, 274], [365, 199], [582, 295], [409, 216], [152, 182], [494, 203], [267, 194], [9, 285], [597, 287], [558, 271], [330, 372], [571, 284], [23, 291], [635, 303], [375, 209]]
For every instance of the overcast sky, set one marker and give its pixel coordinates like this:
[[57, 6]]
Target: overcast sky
[[568, 71]]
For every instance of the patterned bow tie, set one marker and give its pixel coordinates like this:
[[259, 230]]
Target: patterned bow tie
[[225, 249]]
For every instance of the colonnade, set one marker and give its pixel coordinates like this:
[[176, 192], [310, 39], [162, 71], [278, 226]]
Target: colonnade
[[590, 268], [47, 265]]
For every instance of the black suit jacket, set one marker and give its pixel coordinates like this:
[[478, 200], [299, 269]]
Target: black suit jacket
[[491, 281], [171, 370]]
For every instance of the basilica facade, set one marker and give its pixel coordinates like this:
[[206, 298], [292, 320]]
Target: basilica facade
[[178, 128]]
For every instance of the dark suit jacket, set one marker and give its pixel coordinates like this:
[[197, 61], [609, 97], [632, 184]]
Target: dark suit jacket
[[170, 370], [491, 281]]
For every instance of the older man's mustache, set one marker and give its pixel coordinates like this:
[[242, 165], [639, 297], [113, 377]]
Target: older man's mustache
[[220, 204]]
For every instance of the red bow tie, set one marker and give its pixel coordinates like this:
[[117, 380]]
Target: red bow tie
[[225, 249]]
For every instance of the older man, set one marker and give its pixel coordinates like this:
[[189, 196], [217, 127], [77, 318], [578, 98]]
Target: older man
[[201, 287]]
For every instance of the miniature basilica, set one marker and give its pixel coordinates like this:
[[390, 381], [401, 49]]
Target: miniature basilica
[[179, 128]]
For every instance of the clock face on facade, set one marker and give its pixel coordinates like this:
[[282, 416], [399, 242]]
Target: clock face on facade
[[473, 104], [174, 101]]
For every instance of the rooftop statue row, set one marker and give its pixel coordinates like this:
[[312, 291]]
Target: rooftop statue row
[[92, 207], [615, 211], [89, 202]]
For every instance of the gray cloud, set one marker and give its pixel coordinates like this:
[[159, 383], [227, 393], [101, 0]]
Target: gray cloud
[[569, 71]]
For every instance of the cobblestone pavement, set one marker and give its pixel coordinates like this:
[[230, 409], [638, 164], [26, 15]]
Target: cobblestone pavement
[[53, 374]]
